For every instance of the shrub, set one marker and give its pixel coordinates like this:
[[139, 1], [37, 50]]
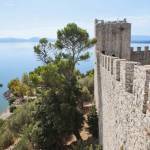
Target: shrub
[[6, 139], [93, 122], [19, 119], [1, 122], [94, 147], [12, 108], [87, 84], [83, 145], [80, 145]]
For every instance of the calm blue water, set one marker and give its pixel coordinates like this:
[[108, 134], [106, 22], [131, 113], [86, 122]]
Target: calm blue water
[[19, 58], [15, 59]]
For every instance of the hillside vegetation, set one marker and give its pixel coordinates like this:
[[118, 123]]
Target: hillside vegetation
[[47, 103]]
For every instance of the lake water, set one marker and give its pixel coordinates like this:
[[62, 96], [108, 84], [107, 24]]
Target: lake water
[[19, 58]]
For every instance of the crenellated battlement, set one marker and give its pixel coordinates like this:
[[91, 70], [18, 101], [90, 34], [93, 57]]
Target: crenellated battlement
[[125, 93], [127, 73], [141, 55], [97, 21], [139, 49]]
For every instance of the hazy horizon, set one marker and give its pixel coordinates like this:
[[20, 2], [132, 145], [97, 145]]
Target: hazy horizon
[[33, 18], [37, 37]]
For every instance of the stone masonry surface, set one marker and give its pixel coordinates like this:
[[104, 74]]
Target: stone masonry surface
[[122, 95]]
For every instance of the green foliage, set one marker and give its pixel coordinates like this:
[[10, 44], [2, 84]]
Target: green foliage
[[90, 73], [6, 139], [47, 121], [42, 50], [54, 116], [86, 96], [87, 84], [82, 145], [13, 85], [20, 118], [59, 121], [35, 79], [94, 147], [73, 42], [93, 122], [18, 88], [14, 126], [26, 79], [1, 123], [51, 76]]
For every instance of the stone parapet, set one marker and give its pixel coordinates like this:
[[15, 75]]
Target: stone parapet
[[125, 104], [140, 55]]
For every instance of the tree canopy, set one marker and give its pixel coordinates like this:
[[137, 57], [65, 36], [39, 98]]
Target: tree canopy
[[54, 114], [43, 49], [73, 42]]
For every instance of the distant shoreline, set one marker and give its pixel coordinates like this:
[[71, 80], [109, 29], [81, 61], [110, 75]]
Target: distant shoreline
[[142, 42], [36, 39], [21, 40], [30, 41]]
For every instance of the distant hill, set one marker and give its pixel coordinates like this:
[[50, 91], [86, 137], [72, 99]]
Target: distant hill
[[140, 39], [134, 39], [16, 40]]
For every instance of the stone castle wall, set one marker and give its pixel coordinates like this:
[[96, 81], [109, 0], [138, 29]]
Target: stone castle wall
[[140, 55], [122, 88], [124, 103]]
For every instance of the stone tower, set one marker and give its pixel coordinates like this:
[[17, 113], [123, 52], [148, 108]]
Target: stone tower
[[113, 38]]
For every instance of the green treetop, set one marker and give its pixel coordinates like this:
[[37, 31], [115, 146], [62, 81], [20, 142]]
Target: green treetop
[[73, 42]]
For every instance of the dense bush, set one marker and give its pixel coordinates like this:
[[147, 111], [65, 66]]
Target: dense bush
[[83, 145], [1, 122], [19, 88], [6, 139], [61, 121], [93, 122], [87, 83], [20, 118]]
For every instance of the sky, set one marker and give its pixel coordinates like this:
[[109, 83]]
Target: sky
[[42, 18]]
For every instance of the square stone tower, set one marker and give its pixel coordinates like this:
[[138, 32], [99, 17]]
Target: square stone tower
[[113, 38]]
